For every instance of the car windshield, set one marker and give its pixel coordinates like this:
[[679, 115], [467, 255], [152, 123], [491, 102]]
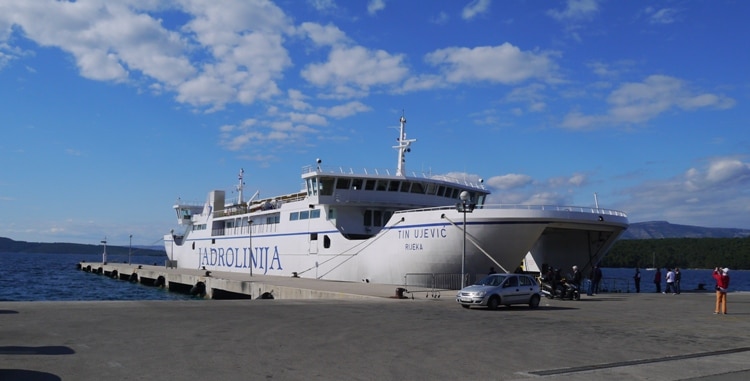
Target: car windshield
[[492, 280]]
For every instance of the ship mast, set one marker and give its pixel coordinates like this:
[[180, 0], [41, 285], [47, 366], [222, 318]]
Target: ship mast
[[402, 147], [240, 186]]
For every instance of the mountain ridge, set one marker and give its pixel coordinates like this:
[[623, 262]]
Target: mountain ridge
[[664, 229]]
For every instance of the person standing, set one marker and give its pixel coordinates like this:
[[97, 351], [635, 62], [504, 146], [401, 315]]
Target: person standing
[[657, 280], [637, 279], [677, 277], [576, 277], [670, 282], [596, 279], [722, 285]]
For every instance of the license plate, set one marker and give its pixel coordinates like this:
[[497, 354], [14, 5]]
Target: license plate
[[466, 300]]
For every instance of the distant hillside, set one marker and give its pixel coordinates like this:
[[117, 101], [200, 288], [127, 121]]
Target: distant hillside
[[8, 245], [663, 229]]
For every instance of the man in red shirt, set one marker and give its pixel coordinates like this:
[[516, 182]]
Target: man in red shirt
[[722, 285]]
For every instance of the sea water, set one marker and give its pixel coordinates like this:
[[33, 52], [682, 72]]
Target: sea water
[[39, 277]]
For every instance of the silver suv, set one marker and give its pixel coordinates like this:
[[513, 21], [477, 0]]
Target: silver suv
[[497, 289]]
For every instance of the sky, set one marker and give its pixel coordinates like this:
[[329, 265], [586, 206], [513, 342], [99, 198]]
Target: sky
[[111, 110]]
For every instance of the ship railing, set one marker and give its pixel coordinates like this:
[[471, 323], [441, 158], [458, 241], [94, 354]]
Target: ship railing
[[388, 172], [435, 282], [553, 208]]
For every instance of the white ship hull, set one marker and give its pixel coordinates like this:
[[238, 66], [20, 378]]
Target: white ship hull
[[389, 229], [425, 244]]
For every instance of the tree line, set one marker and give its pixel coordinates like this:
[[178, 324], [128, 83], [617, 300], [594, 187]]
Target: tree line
[[700, 253]]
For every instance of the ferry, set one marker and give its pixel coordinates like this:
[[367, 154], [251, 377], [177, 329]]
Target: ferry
[[386, 227]]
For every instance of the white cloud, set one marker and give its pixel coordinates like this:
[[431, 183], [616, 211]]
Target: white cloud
[[235, 46], [712, 195], [533, 95], [661, 16], [328, 35], [509, 181], [356, 68], [345, 110], [475, 8], [375, 6], [505, 64], [575, 10], [322, 5], [638, 102]]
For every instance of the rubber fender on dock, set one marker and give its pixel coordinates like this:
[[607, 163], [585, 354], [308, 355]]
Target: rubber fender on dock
[[113, 274], [266, 295], [134, 277], [100, 271], [199, 289], [88, 268], [159, 282]]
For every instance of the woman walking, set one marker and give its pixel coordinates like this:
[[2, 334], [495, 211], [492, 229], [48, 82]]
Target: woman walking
[[722, 285]]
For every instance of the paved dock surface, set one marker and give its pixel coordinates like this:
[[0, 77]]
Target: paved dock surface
[[607, 336]]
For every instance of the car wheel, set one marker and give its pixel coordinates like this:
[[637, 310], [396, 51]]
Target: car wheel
[[534, 301], [493, 302], [465, 306]]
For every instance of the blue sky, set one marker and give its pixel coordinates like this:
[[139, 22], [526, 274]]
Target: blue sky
[[110, 110]]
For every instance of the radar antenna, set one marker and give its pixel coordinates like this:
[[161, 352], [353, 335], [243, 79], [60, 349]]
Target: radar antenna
[[403, 147]]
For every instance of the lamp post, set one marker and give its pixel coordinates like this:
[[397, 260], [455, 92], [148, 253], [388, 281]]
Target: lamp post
[[171, 252], [250, 237], [464, 207], [130, 248]]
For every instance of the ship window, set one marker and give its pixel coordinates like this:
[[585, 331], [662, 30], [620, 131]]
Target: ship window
[[315, 213], [293, 216], [455, 193], [357, 184], [441, 191], [332, 214], [387, 216], [326, 242], [312, 186], [417, 188], [405, 186], [378, 218], [305, 214], [343, 184], [431, 188], [370, 184], [326, 186], [273, 219], [368, 217], [393, 186], [313, 236], [382, 185]]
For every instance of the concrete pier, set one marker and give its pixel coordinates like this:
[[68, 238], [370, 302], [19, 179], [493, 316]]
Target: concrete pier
[[604, 337], [231, 285]]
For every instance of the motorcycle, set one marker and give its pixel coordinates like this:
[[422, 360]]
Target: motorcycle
[[564, 291]]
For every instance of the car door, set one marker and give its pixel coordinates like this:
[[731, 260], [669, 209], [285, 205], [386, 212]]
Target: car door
[[510, 290], [527, 287]]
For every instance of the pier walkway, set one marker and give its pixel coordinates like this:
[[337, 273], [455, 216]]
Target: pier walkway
[[232, 285], [621, 336]]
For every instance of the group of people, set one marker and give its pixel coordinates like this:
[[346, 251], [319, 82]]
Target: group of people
[[552, 276], [673, 278]]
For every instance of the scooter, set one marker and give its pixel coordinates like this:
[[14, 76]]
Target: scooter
[[563, 291]]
